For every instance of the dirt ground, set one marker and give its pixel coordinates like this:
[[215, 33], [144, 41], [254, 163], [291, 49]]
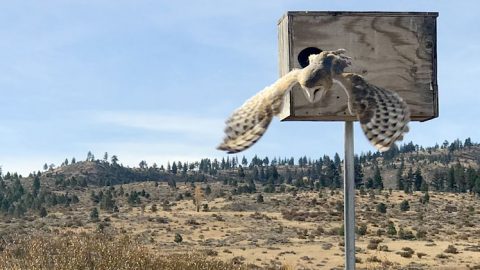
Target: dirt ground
[[301, 230]]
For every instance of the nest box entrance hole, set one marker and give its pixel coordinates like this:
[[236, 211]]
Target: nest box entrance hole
[[305, 53]]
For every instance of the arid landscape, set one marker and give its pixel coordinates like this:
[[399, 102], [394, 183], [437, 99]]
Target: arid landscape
[[224, 217], [226, 220], [302, 230], [215, 135]]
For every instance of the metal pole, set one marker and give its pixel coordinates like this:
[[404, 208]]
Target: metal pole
[[349, 198]]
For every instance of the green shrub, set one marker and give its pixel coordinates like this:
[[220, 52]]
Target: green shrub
[[178, 238], [391, 230], [381, 208], [404, 206]]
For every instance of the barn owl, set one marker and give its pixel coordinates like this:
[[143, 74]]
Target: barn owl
[[383, 115]]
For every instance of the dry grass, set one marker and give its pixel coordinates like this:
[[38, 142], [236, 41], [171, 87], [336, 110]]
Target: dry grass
[[97, 251], [285, 229]]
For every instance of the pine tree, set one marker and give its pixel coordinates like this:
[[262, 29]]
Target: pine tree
[[134, 198], [381, 208], [418, 179], [265, 161], [262, 174], [438, 180], [241, 172], [471, 176], [358, 171], [174, 168], [338, 162], [255, 174], [90, 156], [476, 188], [43, 212], [404, 206], [251, 186], [468, 142], [377, 179], [409, 181], [244, 161], [208, 190], [369, 183], [451, 185], [114, 160], [400, 180], [36, 186], [20, 210], [184, 169], [94, 215], [426, 198], [107, 202], [459, 175], [274, 173], [424, 186], [391, 230]]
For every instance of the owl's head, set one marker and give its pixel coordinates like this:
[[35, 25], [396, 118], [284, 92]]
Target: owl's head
[[316, 78]]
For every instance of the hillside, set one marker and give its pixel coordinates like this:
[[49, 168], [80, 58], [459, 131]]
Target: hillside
[[435, 164], [263, 213]]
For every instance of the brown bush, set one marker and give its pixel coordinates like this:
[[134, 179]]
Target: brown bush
[[96, 251], [373, 244], [374, 259], [451, 249], [406, 252], [421, 254]]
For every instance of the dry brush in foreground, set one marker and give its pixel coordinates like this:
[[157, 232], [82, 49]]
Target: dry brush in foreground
[[98, 251]]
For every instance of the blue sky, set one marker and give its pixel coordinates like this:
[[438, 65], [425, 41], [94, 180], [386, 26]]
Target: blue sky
[[155, 80]]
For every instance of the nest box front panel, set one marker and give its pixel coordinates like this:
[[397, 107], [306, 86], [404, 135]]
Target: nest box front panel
[[396, 51]]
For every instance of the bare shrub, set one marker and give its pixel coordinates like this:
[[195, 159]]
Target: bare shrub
[[383, 248], [406, 252], [374, 259], [373, 244], [451, 249], [442, 256], [97, 251], [421, 254]]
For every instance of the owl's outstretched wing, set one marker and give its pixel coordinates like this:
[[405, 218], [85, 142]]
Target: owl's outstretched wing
[[249, 122], [383, 114]]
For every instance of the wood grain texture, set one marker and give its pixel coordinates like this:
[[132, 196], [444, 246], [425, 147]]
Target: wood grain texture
[[396, 51]]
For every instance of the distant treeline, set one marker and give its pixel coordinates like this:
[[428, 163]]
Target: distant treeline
[[444, 163]]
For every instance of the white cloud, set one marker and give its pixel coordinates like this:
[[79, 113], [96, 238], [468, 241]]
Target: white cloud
[[189, 125], [194, 137]]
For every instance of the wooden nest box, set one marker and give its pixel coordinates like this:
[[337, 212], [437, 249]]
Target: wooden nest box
[[393, 50]]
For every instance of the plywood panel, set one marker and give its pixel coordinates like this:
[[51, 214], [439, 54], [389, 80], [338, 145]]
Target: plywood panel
[[396, 51]]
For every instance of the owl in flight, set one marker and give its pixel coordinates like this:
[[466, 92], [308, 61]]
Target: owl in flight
[[383, 114]]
